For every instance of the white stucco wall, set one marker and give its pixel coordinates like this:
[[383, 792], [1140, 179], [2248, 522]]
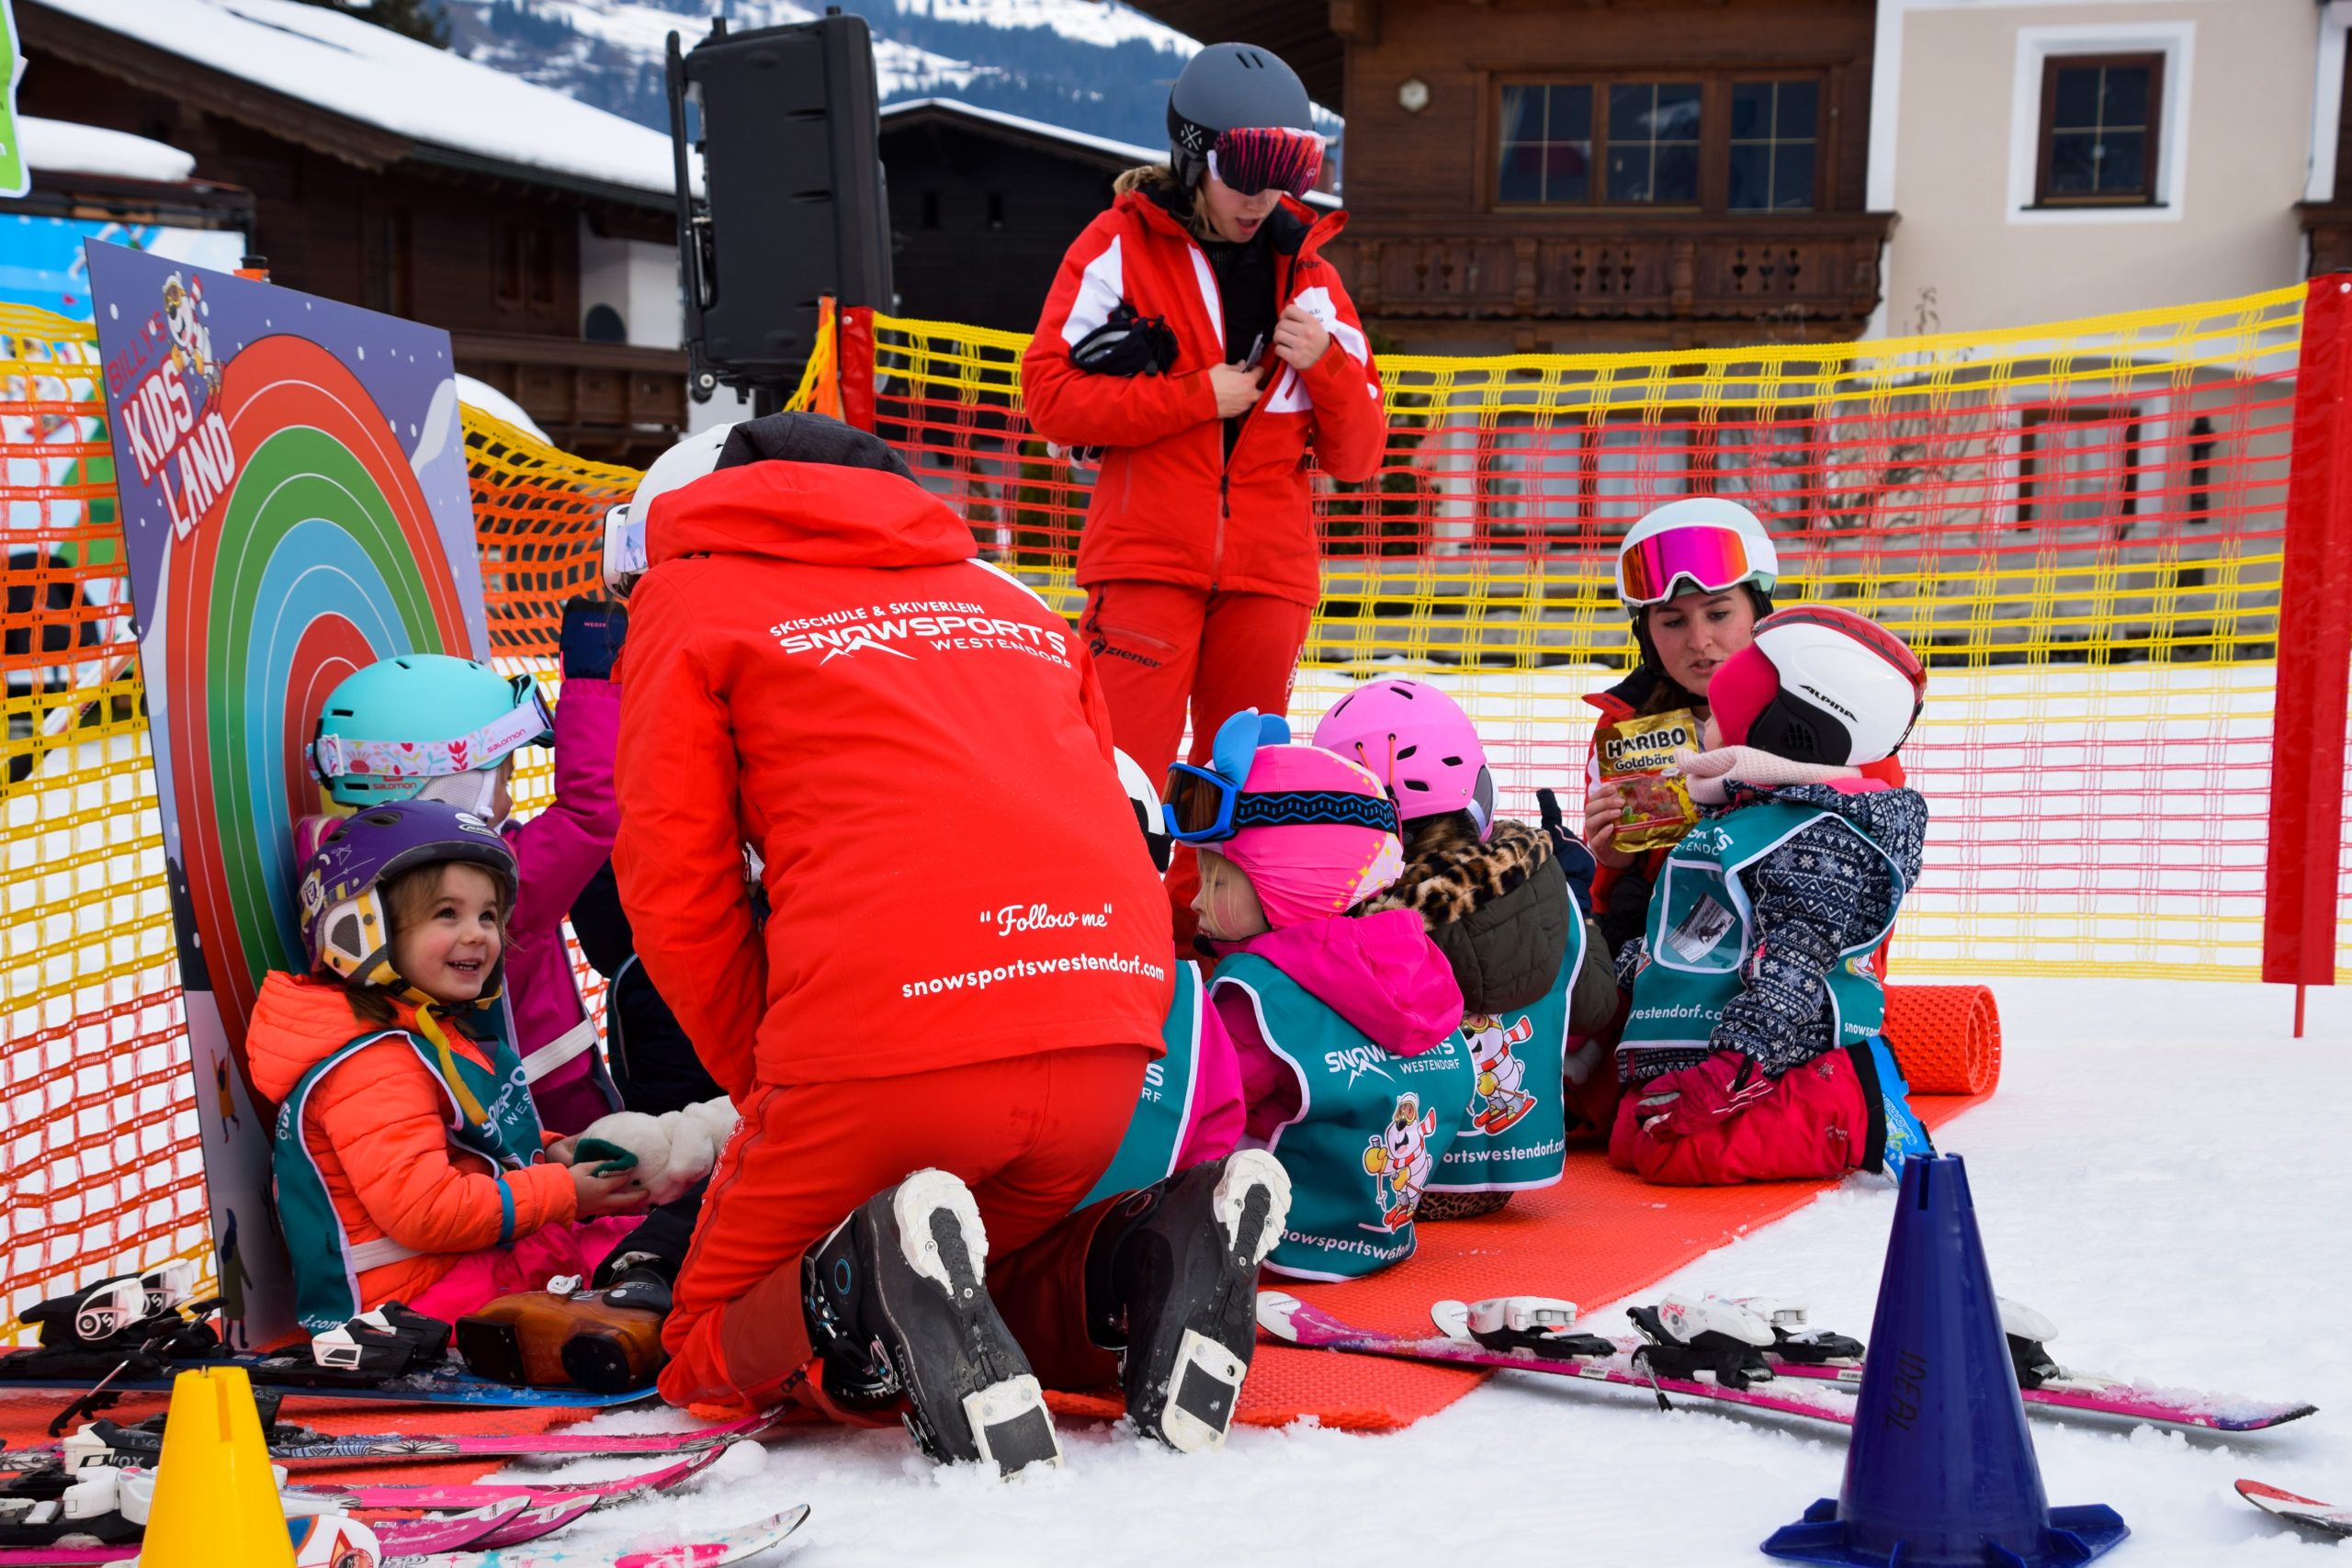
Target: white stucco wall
[[1955, 122], [637, 278]]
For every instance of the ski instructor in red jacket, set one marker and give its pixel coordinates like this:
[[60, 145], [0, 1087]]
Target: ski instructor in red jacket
[[1199, 343], [962, 975]]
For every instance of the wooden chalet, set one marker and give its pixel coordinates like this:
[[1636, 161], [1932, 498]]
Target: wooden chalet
[[488, 247]]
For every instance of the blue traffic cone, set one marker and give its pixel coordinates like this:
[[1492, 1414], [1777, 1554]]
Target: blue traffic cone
[[1941, 1473]]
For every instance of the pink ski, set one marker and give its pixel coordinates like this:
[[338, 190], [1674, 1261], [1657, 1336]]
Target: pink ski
[[604, 1493]]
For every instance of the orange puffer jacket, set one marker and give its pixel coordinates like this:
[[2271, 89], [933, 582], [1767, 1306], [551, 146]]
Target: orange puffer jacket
[[376, 1125]]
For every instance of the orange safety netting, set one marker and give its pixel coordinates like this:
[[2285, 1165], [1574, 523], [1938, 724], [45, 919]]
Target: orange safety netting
[[2079, 523]]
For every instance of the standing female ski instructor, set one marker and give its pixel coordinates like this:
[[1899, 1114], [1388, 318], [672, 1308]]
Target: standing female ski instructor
[[1198, 338]]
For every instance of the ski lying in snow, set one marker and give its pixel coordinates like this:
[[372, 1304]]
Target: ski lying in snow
[[104, 1442], [500, 1523], [1296, 1322], [1756, 1339], [287, 1375], [511, 1521], [609, 1493], [2309, 1512], [727, 1546]]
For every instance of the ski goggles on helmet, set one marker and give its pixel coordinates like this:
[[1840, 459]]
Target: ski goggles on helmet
[[530, 722], [625, 559], [1693, 557], [1207, 805], [1256, 159]]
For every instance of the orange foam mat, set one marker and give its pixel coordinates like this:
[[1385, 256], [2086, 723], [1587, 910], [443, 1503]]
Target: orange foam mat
[[1598, 1235], [25, 1417]]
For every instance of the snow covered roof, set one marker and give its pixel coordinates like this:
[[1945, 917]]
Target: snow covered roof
[[60, 146], [1124, 154], [465, 112]]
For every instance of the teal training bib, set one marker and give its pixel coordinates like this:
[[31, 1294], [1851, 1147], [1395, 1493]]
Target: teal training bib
[[1370, 1131], [1514, 1133], [1164, 1109], [327, 1265], [1701, 935]]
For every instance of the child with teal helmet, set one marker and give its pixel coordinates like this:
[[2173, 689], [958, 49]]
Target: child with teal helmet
[[438, 727]]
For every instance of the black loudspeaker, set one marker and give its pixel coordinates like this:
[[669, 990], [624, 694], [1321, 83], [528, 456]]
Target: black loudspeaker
[[792, 205]]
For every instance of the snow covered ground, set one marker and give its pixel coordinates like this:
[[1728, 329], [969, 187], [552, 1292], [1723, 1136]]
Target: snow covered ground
[[2164, 1172]]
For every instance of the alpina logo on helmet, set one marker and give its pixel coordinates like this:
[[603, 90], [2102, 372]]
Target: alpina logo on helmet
[[1826, 700]]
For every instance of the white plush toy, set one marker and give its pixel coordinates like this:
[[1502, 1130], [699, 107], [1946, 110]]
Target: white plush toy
[[669, 1153]]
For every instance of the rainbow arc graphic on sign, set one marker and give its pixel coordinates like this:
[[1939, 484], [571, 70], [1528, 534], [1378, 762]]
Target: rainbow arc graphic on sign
[[320, 559]]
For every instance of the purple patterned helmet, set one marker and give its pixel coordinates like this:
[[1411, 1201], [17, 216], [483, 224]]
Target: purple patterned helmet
[[347, 929], [1419, 745]]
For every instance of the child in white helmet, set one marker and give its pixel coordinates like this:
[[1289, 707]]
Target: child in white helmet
[[1752, 1051]]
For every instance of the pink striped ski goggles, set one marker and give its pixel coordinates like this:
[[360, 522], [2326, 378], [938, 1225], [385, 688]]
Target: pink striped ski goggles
[[1262, 158]]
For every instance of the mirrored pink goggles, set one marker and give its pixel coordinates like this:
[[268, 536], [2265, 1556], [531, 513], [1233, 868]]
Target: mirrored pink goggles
[[1258, 159]]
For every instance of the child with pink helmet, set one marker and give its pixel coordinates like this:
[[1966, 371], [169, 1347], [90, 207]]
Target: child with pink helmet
[[1351, 1073], [1537, 986]]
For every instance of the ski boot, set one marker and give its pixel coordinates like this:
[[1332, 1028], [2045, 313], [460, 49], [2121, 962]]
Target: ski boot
[[606, 1341], [1692, 1337], [1534, 1326], [897, 1304], [2028, 1333], [1793, 1342], [1171, 1285]]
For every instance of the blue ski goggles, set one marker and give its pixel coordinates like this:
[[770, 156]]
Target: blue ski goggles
[[1205, 806]]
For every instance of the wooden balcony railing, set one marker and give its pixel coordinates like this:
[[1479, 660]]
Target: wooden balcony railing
[[1532, 265], [606, 400], [2329, 224]]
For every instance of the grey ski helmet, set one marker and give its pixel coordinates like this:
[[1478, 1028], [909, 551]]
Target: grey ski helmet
[[1229, 86]]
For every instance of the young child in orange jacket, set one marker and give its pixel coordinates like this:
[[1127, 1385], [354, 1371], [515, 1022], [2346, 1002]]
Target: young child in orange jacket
[[410, 1164]]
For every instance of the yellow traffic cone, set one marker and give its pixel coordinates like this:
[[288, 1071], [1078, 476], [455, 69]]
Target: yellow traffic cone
[[216, 1501]]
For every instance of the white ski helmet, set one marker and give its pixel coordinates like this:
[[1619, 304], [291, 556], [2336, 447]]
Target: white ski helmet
[[1705, 543], [1150, 815], [624, 557], [1819, 685]]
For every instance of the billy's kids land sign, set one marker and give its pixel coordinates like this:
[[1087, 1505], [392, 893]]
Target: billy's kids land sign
[[294, 506]]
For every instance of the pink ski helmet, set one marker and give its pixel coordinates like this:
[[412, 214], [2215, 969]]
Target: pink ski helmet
[[1302, 872], [1419, 744]]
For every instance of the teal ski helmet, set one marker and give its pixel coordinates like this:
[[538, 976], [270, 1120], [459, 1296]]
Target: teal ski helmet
[[391, 728]]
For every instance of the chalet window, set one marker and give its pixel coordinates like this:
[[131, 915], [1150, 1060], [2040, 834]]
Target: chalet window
[[539, 251], [2101, 115], [1773, 469], [1652, 148], [1553, 487], [1773, 145], [1557, 487], [2079, 465], [506, 273], [1724, 144], [1547, 143]]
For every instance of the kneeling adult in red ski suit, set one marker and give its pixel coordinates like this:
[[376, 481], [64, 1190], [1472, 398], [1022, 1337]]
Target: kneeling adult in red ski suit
[[816, 665]]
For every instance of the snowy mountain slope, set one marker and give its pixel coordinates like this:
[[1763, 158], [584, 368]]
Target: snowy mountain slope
[[1089, 65]]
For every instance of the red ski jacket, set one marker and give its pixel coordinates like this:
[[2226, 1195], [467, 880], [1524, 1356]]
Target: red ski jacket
[[916, 746], [1168, 505]]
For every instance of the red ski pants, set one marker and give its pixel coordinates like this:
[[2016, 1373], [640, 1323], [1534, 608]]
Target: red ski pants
[[1158, 647], [1028, 1135], [1813, 1124]]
